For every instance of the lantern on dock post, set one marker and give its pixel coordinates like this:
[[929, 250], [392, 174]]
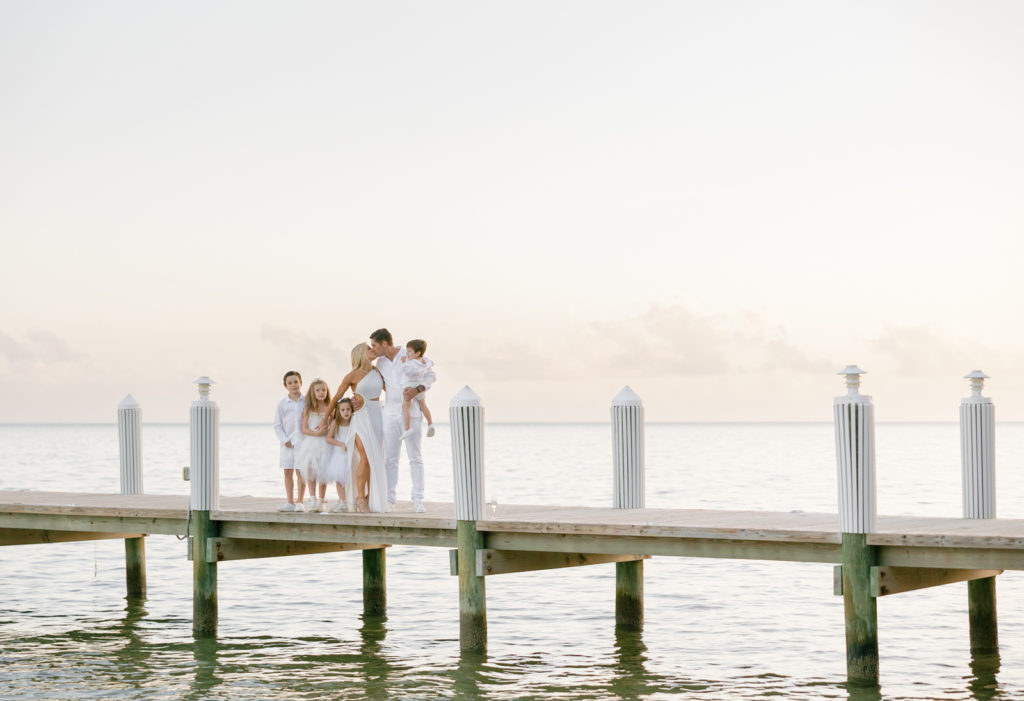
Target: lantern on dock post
[[204, 422], [978, 466], [467, 428], [855, 461], [628, 493], [129, 434]]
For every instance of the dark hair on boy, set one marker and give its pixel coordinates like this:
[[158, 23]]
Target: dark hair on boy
[[289, 374], [418, 345], [381, 336]]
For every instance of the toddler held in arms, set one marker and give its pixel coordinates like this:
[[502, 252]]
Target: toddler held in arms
[[414, 368]]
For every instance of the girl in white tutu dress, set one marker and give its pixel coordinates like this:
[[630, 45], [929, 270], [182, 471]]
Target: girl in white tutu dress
[[311, 456], [339, 463]]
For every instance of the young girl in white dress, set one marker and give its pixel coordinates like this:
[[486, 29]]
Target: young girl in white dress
[[311, 455], [339, 463]]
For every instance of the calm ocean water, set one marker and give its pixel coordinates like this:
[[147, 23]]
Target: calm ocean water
[[292, 628]]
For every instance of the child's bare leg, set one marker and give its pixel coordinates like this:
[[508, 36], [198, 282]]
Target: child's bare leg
[[289, 483], [312, 490], [302, 486], [341, 491], [407, 413], [323, 490], [425, 410]]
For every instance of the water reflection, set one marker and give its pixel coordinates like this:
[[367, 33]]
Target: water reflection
[[204, 651], [864, 693], [983, 683], [631, 678], [376, 668], [132, 654], [470, 676]]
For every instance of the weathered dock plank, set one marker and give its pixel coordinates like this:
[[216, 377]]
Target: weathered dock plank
[[902, 541]]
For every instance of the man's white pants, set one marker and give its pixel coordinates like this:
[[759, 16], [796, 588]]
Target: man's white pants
[[393, 428]]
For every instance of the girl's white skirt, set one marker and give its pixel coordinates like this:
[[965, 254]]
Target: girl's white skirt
[[337, 467], [311, 457]]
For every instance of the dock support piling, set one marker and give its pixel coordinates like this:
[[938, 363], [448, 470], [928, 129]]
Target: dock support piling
[[855, 463], [472, 594], [860, 609], [467, 430], [375, 594], [129, 432], [204, 422], [977, 458], [628, 493]]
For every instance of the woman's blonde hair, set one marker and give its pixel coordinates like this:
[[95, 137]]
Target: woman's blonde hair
[[359, 359], [311, 405]]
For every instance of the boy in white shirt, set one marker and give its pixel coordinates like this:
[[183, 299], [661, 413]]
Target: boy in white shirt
[[288, 427]]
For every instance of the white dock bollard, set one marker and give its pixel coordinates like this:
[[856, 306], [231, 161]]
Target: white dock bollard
[[628, 450], [467, 428], [977, 450], [628, 493], [978, 469], [129, 434], [855, 456], [855, 462], [204, 421]]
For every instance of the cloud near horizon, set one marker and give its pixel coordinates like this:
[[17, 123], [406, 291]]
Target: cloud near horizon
[[663, 341]]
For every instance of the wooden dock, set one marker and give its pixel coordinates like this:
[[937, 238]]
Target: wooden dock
[[872, 555], [902, 541]]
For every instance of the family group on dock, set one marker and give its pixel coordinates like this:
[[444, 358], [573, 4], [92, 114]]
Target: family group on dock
[[349, 440]]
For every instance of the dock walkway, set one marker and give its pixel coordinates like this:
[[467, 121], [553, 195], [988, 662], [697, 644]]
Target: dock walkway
[[902, 541]]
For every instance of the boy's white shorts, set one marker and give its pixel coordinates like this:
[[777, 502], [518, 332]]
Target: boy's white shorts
[[287, 458]]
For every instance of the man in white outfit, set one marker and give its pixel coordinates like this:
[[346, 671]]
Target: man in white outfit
[[389, 363]]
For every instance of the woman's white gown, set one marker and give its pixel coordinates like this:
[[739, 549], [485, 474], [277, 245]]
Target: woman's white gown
[[368, 424]]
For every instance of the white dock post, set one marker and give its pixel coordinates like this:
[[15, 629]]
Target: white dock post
[[204, 420], [977, 457], [129, 432], [467, 429], [855, 461], [628, 493]]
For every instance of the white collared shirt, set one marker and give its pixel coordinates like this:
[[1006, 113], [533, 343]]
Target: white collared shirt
[[392, 372], [288, 419]]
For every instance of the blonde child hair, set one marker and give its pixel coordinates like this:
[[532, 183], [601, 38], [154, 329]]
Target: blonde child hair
[[312, 405]]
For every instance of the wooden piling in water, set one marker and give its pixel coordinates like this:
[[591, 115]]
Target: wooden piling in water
[[129, 431], [855, 463], [628, 493], [204, 577], [472, 593], [977, 456], [204, 429], [861, 610], [375, 594], [467, 430]]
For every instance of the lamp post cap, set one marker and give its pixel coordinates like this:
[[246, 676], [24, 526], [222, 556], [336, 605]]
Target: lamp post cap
[[627, 397], [466, 397], [976, 375], [852, 370], [204, 380], [129, 402]]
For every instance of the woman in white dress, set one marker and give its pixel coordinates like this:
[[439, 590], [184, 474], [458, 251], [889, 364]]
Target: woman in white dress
[[367, 488]]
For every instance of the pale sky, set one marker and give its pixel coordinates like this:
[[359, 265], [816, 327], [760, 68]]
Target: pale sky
[[720, 204]]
